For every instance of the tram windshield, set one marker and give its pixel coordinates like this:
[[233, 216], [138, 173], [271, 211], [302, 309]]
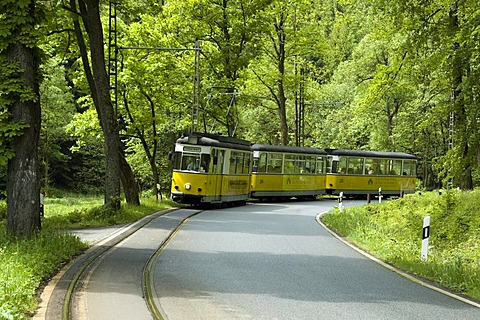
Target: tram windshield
[[191, 162]]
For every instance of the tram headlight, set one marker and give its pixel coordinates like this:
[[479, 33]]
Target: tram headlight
[[188, 186]]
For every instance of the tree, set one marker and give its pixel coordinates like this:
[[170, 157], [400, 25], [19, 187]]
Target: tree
[[58, 110], [96, 74], [444, 34], [155, 88], [229, 31], [20, 94], [292, 40]]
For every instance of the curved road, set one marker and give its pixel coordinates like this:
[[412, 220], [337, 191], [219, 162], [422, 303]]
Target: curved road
[[274, 261]]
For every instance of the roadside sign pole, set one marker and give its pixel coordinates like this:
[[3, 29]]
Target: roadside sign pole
[[340, 201], [425, 236]]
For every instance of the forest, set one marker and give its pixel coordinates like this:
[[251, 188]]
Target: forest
[[93, 93]]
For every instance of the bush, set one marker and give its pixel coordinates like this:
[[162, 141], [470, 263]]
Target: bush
[[25, 263], [3, 210]]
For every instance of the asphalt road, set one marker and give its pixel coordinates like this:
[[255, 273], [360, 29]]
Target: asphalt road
[[112, 287], [274, 261]]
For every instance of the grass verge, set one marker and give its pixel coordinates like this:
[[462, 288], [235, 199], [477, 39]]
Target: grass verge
[[392, 232], [26, 263]]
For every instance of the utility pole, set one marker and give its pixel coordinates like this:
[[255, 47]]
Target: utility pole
[[113, 50], [196, 89], [112, 54]]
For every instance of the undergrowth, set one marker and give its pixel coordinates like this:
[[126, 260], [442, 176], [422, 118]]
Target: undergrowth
[[26, 263], [392, 231]]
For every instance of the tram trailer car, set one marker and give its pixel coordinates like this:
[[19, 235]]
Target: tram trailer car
[[211, 169], [283, 172], [357, 172]]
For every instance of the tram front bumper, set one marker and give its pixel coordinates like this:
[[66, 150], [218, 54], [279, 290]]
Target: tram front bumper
[[181, 197]]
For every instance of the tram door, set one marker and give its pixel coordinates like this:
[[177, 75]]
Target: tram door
[[218, 159]]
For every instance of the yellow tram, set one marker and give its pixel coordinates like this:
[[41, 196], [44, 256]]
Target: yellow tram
[[282, 172], [366, 172], [209, 169], [214, 169]]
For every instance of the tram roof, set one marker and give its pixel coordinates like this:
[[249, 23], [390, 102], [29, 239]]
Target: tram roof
[[216, 140], [287, 149], [370, 154]]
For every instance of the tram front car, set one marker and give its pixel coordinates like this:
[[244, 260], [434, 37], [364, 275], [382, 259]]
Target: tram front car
[[211, 169]]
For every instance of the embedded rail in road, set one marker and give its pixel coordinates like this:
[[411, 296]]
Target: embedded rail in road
[[109, 280]]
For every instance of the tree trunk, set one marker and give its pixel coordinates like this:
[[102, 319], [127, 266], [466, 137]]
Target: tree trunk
[[156, 180], [126, 175], [282, 111], [130, 187], [464, 177], [93, 26], [23, 179], [282, 100]]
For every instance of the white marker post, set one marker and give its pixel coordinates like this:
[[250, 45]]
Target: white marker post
[[340, 201], [379, 195], [42, 211], [425, 236]]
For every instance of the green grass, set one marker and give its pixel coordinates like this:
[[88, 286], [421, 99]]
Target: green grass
[[26, 263], [74, 213], [392, 231]]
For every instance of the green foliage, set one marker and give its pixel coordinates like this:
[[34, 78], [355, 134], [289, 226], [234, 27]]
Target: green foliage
[[392, 231], [77, 211], [58, 110], [3, 210], [25, 264], [10, 86], [16, 27], [376, 75]]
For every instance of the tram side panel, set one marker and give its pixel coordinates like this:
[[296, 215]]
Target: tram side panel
[[370, 184], [366, 172], [232, 175], [287, 171], [286, 185]]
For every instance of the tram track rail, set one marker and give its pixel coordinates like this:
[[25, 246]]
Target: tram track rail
[[148, 287], [77, 274]]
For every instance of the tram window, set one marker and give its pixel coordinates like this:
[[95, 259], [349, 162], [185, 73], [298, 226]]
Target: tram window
[[190, 162], [235, 158], [384, 166], [331, 165], [396, 167], [371, 166], [177, 160], [300, 164], [240, 162], [274, 163], [342, 165], [355, 165], [408, 168], [204, 163], [289, 164], [261, 163], [320, 165], [309, 164], [232, 163], [246, 163]]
